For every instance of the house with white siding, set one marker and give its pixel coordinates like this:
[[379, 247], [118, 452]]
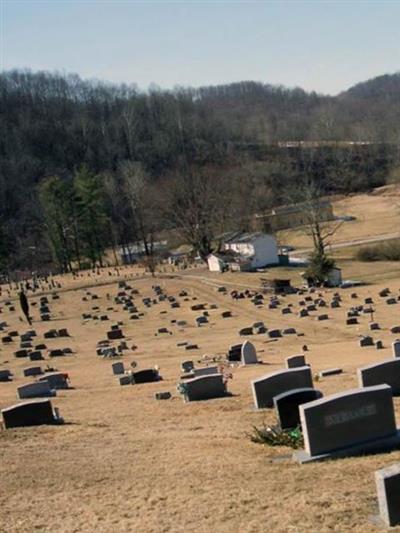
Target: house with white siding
[[244, 251]]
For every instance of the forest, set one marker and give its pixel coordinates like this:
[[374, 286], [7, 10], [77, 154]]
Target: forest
[[87, 166]]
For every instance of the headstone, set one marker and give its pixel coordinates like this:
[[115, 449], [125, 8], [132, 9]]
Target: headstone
[[235, 353], [187, 366], [274, 333], [145, 376], [35, 390], [5, 375], [36, 356], [125, 380], [56, 353], [330, 372], [248, 354], [287, 405], [203, 388], [207, 370], [56, 380], [396, 348], [33, 413], [366, 341], [295, 361], [118, 368], [270, 385], [246, 331], [163, 395], [388, 488], [289, 331], [387, 372], [115, 334], [201, 320], [51, 334], [349, 423], [33, 371], [21, 353], [26, 345]]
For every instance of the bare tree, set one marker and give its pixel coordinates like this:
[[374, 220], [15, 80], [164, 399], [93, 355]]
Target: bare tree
[[199, 206], [316, 224], [309, 198], [144, 204]]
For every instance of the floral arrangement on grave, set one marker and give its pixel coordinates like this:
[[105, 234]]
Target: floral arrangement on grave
[[275, 436]]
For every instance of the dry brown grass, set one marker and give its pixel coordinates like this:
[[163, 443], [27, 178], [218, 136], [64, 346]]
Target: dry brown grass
[[377, 214], [125, 462]]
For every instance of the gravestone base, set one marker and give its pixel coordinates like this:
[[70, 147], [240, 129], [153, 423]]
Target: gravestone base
[[375, 446]]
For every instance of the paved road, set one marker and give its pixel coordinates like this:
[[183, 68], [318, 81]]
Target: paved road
[[354, 242]]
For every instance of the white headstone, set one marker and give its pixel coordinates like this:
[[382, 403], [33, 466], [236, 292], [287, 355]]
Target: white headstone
[[249, 354]]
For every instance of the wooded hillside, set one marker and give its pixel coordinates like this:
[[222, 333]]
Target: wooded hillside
[[123, 157]]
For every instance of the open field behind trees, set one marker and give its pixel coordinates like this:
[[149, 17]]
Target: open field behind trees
[[125, 462], [377, 217]]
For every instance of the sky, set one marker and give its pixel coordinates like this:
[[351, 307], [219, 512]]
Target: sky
[[325, 46]]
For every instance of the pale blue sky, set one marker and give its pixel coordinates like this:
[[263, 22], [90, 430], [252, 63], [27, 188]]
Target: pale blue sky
[[319, 45]]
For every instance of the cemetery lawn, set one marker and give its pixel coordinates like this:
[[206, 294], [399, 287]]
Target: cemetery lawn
[[125, 462]]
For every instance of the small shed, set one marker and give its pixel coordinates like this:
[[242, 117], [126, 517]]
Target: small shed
[[216, 263], [334, 277]]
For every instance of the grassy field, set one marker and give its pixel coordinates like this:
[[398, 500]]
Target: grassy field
[[125, 462], [376, 214]]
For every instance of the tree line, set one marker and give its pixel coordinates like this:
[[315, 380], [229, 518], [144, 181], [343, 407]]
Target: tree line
[[86, 166]]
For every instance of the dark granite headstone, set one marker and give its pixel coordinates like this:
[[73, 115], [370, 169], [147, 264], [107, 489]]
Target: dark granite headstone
[[348, 423], [287, 405], [387, 372], [203, 388], [388, 489], [145, 376], [270, 385], [33, 413]]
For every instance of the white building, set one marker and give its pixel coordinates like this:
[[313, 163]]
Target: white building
[[216, 263], [244, 251], [261, 249]]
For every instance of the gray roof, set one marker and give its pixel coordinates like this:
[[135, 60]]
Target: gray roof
[[240, 237]]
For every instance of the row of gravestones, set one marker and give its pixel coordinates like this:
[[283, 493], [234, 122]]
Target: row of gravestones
[[34, 411], [148, 375], [35, 354], [209, 382], [341, 424], [259, 328]]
